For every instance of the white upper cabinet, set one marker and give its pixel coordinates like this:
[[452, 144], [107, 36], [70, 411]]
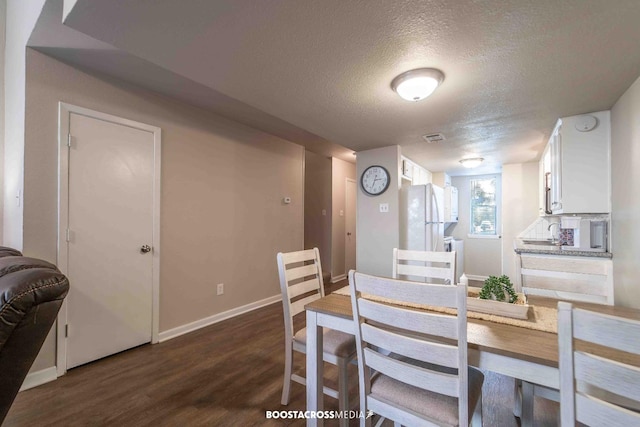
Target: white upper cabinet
[[580, 164], [414, 173], [545, 182]]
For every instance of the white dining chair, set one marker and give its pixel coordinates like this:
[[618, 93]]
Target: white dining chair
[[301, 283], [424, 266], [567, 279], [586, 280], [594, 389], [405, 375]]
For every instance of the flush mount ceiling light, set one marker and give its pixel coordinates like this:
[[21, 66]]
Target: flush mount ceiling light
[[471, 163], [417, 84]]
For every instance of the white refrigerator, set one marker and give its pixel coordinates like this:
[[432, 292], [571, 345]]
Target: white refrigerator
[[422, 218]]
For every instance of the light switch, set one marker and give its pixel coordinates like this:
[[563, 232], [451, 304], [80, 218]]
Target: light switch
[[384, 207], [324, 212]]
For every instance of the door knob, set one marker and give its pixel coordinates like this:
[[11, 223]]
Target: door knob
[[348, 234], [145, 248]]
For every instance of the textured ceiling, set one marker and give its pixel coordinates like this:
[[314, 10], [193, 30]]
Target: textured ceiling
[[324, 67]]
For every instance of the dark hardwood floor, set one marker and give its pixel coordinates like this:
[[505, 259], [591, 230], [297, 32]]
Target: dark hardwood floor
[[227, 374]]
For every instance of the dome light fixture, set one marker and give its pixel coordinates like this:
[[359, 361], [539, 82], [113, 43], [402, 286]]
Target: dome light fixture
[[417, 84], [472, 162]]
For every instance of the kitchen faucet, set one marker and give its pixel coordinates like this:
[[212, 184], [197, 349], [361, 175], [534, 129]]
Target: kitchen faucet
[[553, 237]]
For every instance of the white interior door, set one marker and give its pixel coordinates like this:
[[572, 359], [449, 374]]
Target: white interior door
[[110, 221], [350, 225]]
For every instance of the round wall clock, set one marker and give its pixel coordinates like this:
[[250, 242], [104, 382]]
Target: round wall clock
[[375, 180]]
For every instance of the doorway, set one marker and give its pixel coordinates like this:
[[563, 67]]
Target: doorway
[[108, 234]]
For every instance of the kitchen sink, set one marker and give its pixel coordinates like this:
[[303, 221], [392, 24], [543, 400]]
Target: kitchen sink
[[543, 242]]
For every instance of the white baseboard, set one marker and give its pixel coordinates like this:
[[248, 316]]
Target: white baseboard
[[193, 326], [479, 278], [338, 278], [37, 378]]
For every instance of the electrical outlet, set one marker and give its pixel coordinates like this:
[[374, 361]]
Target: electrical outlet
[[384, 207], [220, 289]]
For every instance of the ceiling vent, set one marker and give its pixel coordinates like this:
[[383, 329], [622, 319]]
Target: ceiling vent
[[433, 137]]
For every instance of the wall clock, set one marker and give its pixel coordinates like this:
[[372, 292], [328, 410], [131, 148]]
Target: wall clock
[[375, 180]]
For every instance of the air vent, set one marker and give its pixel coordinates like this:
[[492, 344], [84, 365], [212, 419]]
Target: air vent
[[433, 137]]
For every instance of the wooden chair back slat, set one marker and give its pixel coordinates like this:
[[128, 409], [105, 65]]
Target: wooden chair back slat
[[425, 351], [410, 320], [424, 266]]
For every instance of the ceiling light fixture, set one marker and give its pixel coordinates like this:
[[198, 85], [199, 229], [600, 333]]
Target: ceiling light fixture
[[417, 84], [471, 163]]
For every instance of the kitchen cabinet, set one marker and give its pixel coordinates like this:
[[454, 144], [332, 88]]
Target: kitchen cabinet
[[580, 163], [414, 173], [544, 194]]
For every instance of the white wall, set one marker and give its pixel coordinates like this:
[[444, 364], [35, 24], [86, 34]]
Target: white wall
[[520, 188], [378, 233], [21, 17], [482, 256], [625, 202]]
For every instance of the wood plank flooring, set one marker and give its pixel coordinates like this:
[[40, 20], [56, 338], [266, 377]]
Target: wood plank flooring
[[227, 374]]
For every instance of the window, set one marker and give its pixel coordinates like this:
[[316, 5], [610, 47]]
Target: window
[[485, 201]]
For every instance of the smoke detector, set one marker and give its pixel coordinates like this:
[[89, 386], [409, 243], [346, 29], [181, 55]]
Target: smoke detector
[[433, 137]]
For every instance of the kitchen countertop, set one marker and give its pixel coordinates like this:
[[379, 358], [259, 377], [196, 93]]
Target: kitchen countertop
[[522, 248]]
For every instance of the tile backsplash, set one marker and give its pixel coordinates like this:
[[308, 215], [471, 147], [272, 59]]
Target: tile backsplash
[[539, 229], [566, 236]]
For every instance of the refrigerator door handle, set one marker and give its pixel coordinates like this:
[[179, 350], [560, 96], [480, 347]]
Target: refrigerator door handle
[[434, 234]]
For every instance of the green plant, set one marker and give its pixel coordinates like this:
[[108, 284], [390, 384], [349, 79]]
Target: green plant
[[496, 288]]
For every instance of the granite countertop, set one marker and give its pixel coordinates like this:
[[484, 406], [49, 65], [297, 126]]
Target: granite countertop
[[522, 248]]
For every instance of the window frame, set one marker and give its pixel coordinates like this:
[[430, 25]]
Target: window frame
[[498, 222]]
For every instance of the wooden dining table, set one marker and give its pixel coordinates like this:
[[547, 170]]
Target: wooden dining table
[[515, 351]]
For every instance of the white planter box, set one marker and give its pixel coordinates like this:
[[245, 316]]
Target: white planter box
[[517, 311]]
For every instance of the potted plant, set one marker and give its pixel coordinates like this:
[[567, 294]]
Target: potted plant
[[498, 289]]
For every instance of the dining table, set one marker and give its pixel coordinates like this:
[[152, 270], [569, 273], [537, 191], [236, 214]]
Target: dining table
[[521, 353]]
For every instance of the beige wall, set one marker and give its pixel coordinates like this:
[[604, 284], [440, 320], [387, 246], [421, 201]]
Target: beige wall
[[482, 257], [625, 204], [21, 17], [222, 215], [520, 188], [340, 171], [378, 233], [3, 7], [317, 200]]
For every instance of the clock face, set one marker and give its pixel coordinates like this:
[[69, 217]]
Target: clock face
[[375, 180]]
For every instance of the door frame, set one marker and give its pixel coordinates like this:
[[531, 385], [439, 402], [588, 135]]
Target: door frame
[[62, 261], [355, 219]]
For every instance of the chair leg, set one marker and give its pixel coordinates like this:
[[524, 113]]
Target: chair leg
[[526, 420], [343, 389], [517, 397], [288, 366], [476, 419]]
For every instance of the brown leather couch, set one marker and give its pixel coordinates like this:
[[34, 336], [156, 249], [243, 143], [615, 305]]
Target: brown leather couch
[[31, 293]]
